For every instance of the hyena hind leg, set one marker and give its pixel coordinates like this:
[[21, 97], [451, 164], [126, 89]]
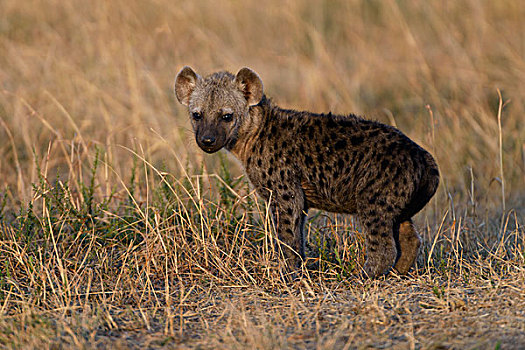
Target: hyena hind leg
[[408, 243], [380, 247]]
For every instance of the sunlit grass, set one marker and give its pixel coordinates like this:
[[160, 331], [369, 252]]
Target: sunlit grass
[[115, 230]]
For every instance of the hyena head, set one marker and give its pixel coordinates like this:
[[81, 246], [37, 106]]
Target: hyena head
[[218, 104]]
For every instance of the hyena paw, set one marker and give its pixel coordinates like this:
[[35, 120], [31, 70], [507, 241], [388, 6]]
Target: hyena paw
[[376, 267]]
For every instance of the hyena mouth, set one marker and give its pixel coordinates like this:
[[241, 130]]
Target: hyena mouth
[[210, 149]]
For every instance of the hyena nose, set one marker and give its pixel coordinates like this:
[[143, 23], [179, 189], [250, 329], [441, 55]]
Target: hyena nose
[[208, 140]]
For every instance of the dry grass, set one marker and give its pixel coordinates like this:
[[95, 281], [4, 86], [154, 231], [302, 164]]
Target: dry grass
[[116, 231]]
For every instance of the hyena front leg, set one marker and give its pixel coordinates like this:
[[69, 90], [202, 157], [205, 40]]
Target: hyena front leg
[[289, 215], [380, 245]]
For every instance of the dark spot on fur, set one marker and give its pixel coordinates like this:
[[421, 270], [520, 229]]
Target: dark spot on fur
[[286, 197], [304, 129], [340, 163], [311, 132], [308, 160], [274, 129], [384, 164], [331, 122], [340, 144], [320, 158], [385, 234], [287, 222], [356, 140], [346, 123], [259, 162], [373, 133], [289, 211]]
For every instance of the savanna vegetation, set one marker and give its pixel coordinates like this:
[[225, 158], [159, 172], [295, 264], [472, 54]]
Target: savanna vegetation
[[117, 231]]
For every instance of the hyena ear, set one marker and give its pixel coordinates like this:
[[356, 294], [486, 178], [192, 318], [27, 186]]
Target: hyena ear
[[185, 84], [251, 85]]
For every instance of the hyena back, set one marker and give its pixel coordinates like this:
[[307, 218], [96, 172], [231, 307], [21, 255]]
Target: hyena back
[[302, 160]]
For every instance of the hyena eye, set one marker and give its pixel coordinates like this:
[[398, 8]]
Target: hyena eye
[[227, 117], [196, 115]]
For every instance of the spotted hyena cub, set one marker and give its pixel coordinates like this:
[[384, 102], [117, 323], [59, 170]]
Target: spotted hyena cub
[[302, 160]]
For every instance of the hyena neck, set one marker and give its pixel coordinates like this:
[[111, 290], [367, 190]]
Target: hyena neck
[[248, 132]]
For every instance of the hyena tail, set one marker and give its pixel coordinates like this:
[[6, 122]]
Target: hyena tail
[[426, 189], [431, 175]]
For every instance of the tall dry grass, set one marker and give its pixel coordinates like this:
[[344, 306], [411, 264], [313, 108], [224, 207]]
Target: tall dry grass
[[102, 72], [117, 230]]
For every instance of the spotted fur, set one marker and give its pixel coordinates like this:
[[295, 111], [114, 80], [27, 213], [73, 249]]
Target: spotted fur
[[301, 160]]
